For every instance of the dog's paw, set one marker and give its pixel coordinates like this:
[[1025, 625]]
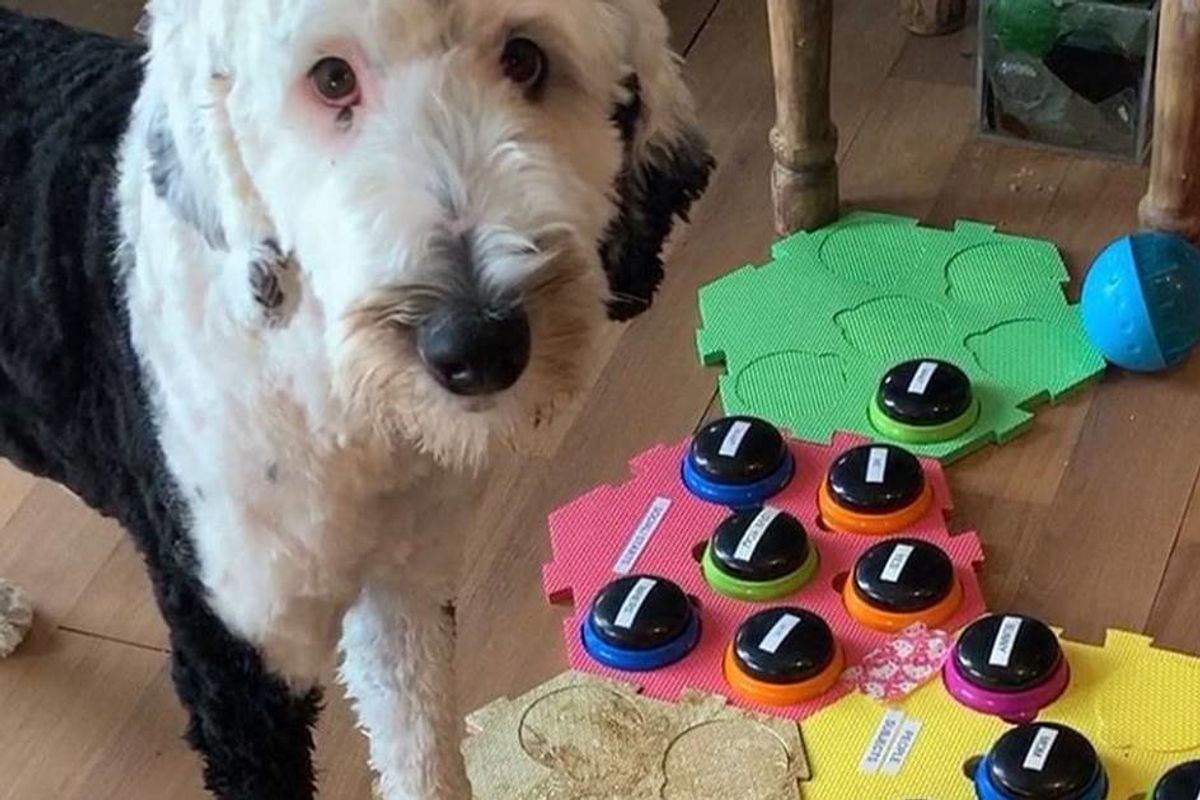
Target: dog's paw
[[274, 284]]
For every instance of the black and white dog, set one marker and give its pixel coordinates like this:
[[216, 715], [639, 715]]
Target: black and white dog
[[262, 279]]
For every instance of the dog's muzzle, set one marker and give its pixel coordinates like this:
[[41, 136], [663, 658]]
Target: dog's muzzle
[[474, 351]]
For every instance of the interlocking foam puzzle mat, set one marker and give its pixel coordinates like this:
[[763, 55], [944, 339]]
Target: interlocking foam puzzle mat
[[583, 737], [1136, 703], [595, 733], [806, 338], [580, 736], [656, 513]]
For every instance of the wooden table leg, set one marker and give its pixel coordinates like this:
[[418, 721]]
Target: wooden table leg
[[933, 17], [1173, 200], [804, 180]]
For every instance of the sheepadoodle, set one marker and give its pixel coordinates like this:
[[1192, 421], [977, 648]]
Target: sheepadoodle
[[264, 275]]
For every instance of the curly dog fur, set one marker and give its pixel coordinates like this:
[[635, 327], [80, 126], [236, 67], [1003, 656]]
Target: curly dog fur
[[102, 177]]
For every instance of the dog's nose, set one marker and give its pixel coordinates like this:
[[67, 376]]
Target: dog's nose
[[473, 351]]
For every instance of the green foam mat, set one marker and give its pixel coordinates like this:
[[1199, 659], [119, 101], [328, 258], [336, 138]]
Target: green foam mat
[[806, 338]]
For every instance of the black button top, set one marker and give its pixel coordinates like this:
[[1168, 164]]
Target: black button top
[[904, 575], [926, 392], [738, 450], [1007, 653], [641, 612], [1181, 783], [876, 479], [784, 645], [1044, 761], [760, 544]]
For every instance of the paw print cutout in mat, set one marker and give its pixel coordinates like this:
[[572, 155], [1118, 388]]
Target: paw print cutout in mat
[[653, 525], [579, 736], [805, 339], [1134, 702]]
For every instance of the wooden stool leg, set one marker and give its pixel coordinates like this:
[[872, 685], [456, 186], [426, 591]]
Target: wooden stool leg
[[1173, 200], [804, 181], [933, 17]]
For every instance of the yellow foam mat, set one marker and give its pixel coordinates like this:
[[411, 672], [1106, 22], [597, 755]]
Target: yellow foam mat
[[581, 736], [1139, 705]]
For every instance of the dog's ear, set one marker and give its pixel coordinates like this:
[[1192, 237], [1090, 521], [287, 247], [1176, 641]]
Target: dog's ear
[[195, 158], [666, 168], [169, 130], [180, 191]]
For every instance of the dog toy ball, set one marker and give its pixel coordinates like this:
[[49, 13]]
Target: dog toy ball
[[900, 582], [924, 401], [737, 462], [1008, 666], [783, 656], [1180, 783], [641, 623], [16, 618], [1047, 762], [874, 489], [759, 555], [1141, 301], [1027, 26]]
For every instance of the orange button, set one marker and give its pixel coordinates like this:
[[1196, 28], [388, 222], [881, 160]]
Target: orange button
[[892, 622], [774, 694], [843, 520]]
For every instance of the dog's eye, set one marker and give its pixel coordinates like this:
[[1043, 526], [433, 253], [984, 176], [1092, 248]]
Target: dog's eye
[[335, 82], [524, 63]]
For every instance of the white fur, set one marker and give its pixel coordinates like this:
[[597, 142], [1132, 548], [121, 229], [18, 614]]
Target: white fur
[[306, 452]]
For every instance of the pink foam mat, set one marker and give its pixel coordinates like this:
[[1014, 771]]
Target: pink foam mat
[[590, 536]]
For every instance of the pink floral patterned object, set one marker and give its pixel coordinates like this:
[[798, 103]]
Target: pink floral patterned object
[[901, 666]]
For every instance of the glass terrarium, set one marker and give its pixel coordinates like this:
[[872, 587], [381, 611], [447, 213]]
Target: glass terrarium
[[1073, 74]]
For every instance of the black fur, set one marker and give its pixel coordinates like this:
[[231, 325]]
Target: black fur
[[73, 401], [652, 191]]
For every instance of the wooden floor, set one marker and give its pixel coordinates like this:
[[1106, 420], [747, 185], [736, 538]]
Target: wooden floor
[[1087, 520]]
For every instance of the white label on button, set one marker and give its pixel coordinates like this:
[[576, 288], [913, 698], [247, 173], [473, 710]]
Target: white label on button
[[877, 465], [733, 438], [896, 563], [922, 377], [633, 602], [779, 631], [903, 747], [1039, 751], [1006, 640], [641, 535], [754, 533], [881, 742]]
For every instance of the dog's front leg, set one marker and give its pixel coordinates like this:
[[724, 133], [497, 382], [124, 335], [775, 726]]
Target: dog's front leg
[[397, 666]]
